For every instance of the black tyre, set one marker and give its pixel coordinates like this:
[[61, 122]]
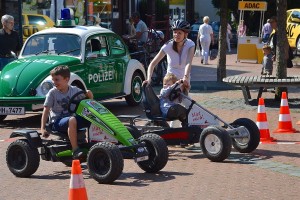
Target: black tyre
[[2, 117], [215, 143], [135, 97], [158, 153], [251, 140], [105, 162], [22, 160], [158, 123], [134, 131]]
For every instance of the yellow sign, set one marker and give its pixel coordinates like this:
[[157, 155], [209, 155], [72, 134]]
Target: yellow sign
[[253, 5], [177, 2]]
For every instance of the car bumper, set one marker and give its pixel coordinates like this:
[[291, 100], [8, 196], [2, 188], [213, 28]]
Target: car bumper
[[21, 100]]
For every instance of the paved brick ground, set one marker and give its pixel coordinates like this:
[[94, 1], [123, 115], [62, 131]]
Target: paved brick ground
[[270, 172]]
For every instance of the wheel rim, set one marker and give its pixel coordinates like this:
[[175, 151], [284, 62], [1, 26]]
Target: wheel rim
[[137, 89], [152, 155], [298, 44], [212, 144], [243, 141], [17, 158], [101, 163]]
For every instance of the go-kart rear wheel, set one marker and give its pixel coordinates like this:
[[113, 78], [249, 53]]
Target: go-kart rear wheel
[[158, 153], [215, 143], [250, 142], [105, 162], [22, 160]]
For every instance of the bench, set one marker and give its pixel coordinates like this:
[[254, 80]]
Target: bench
[[262, 82]]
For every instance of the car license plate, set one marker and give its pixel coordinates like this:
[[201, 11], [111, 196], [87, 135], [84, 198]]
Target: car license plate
[[12, 110], [143, 158]]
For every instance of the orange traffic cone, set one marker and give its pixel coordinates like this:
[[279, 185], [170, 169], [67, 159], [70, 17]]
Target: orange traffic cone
[[285, 121], [262, 122], [77, 187]]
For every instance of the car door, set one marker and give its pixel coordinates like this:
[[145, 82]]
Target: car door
[[120, 58], [99, 67], [293, 27]]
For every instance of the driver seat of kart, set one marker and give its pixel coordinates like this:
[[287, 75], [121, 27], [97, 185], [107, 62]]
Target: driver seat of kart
[[81, 133], [152, 104]]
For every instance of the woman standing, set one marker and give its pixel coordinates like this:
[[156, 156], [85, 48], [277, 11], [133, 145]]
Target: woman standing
[[179, 51], [206, 36]]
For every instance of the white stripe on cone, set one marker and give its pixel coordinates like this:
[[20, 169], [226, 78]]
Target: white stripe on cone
[[76, 181], [284, 102], [262, 125], [285, 118], [261, 109]]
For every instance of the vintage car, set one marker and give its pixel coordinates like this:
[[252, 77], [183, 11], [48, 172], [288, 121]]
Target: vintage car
[[97, 57], [33, 23], [293, 28]]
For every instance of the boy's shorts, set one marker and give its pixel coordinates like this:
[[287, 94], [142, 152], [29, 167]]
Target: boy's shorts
[[62, 124]]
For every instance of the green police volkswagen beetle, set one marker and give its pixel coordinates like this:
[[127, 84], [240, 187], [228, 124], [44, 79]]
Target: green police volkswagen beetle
[[97, 57]]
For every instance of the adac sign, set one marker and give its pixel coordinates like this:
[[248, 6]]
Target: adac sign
[[253, 5]]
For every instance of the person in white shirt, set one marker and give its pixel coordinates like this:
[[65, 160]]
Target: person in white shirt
[[206, 36], [179, 52], [141, 29]]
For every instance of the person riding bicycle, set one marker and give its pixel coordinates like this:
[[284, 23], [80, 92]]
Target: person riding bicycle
[[179, 51]]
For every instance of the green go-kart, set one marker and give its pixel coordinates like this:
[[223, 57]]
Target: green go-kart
[[107, 144]]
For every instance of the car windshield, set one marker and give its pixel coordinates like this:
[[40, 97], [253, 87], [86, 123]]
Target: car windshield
[[60, 44]]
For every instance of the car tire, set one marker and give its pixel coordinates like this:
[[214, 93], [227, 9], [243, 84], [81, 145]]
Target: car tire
[[215, 143], [249, 144], [158, 153], [135, 96], [105, 162], [2, 117], [22, 160]]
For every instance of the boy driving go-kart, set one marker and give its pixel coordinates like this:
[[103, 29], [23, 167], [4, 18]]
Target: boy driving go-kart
[[56, 106], [108, 141]]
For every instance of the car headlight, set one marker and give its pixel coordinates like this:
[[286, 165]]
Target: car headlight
[[46, 86]]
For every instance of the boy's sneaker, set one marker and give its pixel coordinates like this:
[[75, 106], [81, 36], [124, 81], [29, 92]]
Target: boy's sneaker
[[78, 154]]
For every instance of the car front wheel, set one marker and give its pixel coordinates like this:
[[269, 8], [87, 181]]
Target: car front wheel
[[135, 97]]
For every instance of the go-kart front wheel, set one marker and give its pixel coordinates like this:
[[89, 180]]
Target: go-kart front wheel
[[22, 160], [105, 162], [215, 143], [158, 153], [251, 140]]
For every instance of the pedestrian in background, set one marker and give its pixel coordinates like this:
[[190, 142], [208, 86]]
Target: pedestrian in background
[[267, 63], [266, 31], [242, 28], [228, 37], [206, 36], [9, 41]]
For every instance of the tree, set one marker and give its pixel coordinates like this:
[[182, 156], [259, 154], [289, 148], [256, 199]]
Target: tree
[[221, 66], [281, 49]]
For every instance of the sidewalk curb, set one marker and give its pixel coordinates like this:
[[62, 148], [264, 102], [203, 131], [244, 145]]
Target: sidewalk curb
[[211, 85]]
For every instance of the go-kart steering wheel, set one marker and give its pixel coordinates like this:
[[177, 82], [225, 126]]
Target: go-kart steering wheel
[[175, 92], [76, 102]]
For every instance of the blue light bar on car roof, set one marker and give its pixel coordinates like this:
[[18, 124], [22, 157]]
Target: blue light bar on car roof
[[65, 20]]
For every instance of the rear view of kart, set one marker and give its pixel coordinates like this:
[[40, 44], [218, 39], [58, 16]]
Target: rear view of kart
[[108, 143], [216, 137]]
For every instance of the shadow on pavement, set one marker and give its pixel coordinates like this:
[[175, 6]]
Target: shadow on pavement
[[145, 179], [272, 103]]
